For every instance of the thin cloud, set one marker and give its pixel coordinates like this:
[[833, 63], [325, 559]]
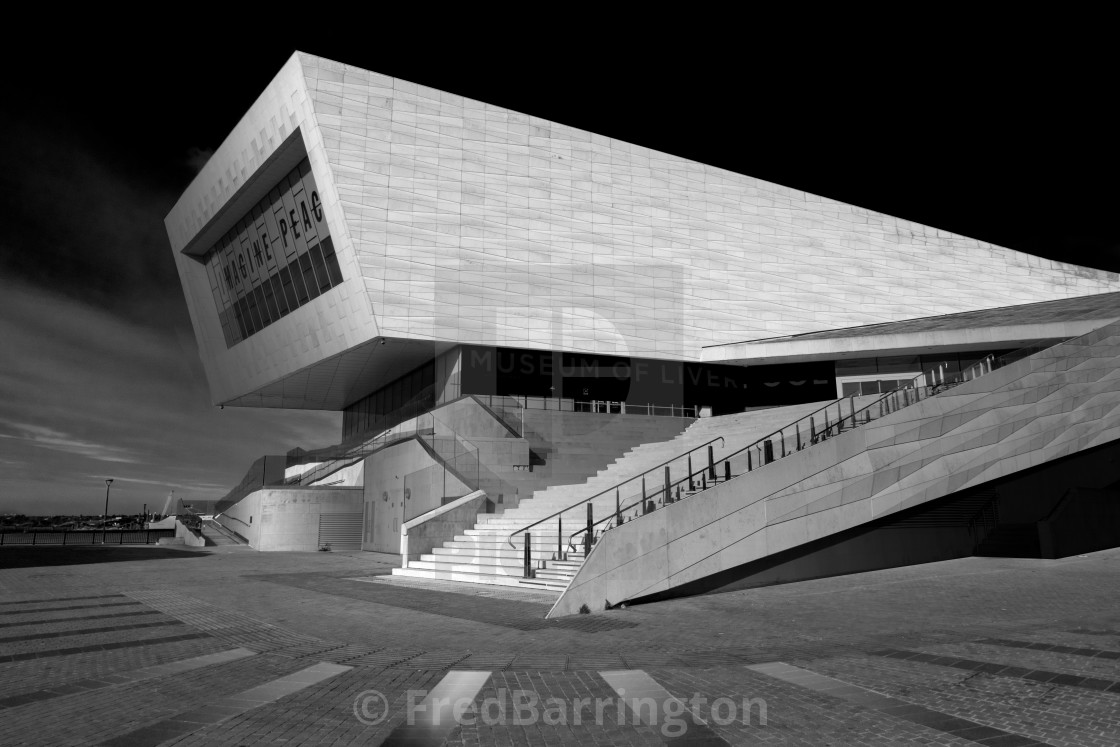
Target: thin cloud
[[198, 486], [49, 438], [82, 387]]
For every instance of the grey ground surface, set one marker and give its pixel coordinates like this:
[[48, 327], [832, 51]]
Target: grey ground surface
[[216, 646]]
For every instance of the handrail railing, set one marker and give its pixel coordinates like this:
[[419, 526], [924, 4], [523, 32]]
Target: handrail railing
[[615, 407], [888, 403], [331, 456], [224, 530], [400, 432], [615, 488]]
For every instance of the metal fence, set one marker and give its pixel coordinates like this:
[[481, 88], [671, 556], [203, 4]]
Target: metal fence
[[561, 404], [86, 537]]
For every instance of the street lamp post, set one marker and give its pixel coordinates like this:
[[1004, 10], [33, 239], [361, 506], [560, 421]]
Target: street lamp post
[[105, 515]]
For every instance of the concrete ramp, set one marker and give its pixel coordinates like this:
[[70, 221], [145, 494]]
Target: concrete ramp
[[1050, 406]]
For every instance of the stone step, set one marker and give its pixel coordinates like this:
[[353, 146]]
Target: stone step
[[483, 553], [547, 584], [475, 552], [475, 578], [512, 570], [496, 543], [457, 561]]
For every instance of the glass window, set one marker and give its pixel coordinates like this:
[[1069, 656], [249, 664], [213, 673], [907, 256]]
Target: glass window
[[898, 364], [270, 301], [262, 307], [320, 268], [308, 276], [332, 261], [857, 367], [302, 295], [278, 294], [289, 288], [251, 282]]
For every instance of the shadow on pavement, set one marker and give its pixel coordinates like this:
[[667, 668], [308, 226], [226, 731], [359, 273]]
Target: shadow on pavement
[[32, 557]]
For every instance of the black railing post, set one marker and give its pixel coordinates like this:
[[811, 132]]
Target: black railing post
[[812, 430], [852, 405], [691, 485], [617, 508], [711, 463], [767, 451], [560, 537], [727, 470], [750, 455], [587, 535], [644, 511], [668, 490], [782, 435], [797, 428], [528, 556]]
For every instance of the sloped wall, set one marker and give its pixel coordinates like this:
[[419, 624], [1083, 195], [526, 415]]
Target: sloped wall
[[1059, 402]]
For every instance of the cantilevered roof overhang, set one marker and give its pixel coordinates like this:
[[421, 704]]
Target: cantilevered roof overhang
[[338, 381], [1005, 327]]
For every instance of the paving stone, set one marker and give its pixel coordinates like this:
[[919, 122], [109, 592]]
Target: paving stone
[[295, 610]]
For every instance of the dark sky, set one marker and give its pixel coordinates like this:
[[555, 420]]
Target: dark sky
[[100, 375]]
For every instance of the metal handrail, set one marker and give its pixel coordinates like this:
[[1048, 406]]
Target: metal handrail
[[989, 362], [815, 437], [529, 402], [666, 491], [615, 487]]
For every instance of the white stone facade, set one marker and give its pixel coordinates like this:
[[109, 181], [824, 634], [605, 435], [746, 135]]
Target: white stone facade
[[461, 222]]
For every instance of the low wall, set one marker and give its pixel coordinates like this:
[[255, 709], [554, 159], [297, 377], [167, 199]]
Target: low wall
[[440, 525], [1028, 414], [347, 477], [244, 518], [188, 537], [287, 518]]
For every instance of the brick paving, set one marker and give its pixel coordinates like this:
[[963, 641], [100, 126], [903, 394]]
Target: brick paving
[[1026, 650]]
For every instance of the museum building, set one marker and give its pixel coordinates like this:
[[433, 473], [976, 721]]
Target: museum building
[[513, 313]]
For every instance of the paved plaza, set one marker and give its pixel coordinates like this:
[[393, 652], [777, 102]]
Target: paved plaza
[[227, 646]]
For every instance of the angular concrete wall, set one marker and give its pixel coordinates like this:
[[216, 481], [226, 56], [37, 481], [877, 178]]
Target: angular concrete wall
[[457, 221], [474, 223], [1059, 402], [288, 518]]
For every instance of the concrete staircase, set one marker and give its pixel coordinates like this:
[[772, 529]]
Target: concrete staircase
[[567, 447], [484, 554], [216, 535]]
